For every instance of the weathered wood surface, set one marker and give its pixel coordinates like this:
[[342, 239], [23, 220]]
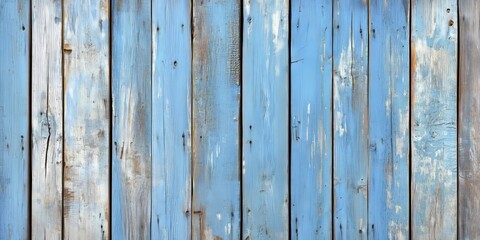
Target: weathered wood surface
[[265, 122], [469, 120], [132, 119], [171, 119], [87, 109], [350, 118], [311, 120], [14, 118], [434, 119], [216, 119], [388, 97], [47, 119]]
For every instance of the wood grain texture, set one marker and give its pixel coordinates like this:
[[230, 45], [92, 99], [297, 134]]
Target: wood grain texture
[[434, 119], [132, 119], [469, 121], [311, 120], [47, 119], [388, 97], [86, 119], [216, 124], [350, 121], [14, 118], [265, 127], [171, 119]]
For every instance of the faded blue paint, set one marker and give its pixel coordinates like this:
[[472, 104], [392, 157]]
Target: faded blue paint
[[131, 93], [14, 123], [350, 111], [216, 119], [265, 119], [434, 119], [389, 94], [171, 114], [311, 120]]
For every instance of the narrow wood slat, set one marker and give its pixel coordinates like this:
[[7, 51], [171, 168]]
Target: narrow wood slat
[[434, 119], [132, 122], [14, 118], [171, 125], [311, 120], [47, 119], [216, 124], [265, 119], [86, 119]]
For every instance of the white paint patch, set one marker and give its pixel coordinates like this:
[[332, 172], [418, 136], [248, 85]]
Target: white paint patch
[[217, 150], [398, 208], [308, 120], [219, 216], [228, 229]]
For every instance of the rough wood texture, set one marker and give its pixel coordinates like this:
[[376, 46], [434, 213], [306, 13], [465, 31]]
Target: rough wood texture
[[265, 119], [469, 121], [216, 124], [389, 94], [47, 119], [311, 120], [434, 119], [171, 125], [132, 121], [86, 119], [350, 118], [14, 118]]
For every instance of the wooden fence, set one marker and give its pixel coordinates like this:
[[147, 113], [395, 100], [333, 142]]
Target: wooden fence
[[231, 119]]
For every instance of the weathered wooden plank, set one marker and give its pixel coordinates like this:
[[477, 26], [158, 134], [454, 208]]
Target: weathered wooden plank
[[14, 118], [265, 119], [434, 119], [86, 119], [388, 97], [132, 122], [350, 66], [311, 120], [216, 114], [171, 119], [47, 119], [469, 120]]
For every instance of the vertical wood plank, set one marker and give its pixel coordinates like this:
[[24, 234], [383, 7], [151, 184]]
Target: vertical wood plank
[[132, 123], [311, 120], [434, 119], [14, 118], [469, 121], [389, 94], [216, 114], [265, 119], [350, 66], [171, 119], [86, 119], [47, 119]]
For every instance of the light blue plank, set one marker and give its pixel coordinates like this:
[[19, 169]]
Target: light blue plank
[[86, 119], [171, 126], [434, 119], [216, 124], [311, 120], [14, 107], [350, 61], [389, 94], [265, 119], [131, 93]]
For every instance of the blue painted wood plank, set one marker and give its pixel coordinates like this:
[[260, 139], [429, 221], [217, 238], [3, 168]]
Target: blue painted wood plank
[[388, 97], [132, 122], [216, 124], [311, 120], [86, 119], [171, 119], [434, 119], [14, 118], [265, 119], [47, 120], [350, 64]]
